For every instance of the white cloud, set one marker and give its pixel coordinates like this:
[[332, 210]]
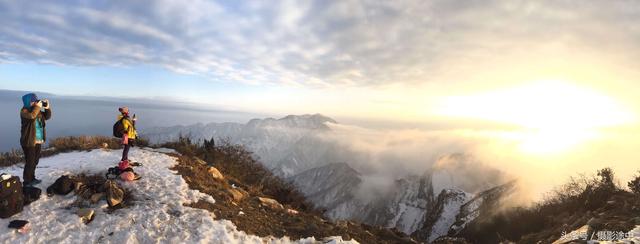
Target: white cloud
[[309, 43]]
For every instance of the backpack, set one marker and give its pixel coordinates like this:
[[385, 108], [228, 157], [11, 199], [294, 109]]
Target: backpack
[[118, 128], [62, 186], [113, 173], [11, 200], [115, 194], [30, 194]]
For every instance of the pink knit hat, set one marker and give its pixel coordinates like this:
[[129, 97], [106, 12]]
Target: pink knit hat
[[123, 109]]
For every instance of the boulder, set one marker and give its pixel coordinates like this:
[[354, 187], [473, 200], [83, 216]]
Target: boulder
[[271, 203], [86, 214], [215, 173], [292, 211], [237, 194]]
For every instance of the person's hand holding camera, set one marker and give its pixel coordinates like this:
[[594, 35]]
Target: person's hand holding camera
[[46, 104]]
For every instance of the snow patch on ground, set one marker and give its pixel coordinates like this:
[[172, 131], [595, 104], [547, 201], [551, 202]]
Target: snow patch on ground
[[157, 215], [161, 150]]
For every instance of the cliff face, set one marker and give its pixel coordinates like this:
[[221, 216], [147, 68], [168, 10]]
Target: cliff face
[[409, 206]]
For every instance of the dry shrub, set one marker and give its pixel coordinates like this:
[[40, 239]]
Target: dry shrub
[[236, 161], [67, 144], [634, 184], [10, 158], [73, 143], [582, 193], [565, 206], [183, 145]]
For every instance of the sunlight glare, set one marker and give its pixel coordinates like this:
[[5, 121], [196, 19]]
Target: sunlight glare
[[554, 115]]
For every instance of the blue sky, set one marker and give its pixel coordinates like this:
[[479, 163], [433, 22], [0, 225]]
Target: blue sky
[[132, 81]]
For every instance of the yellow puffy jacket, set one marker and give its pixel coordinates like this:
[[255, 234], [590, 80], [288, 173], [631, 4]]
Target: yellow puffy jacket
[[129, 127]]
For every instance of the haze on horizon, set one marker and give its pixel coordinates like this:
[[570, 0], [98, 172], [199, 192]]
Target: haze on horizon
[[542, 89]]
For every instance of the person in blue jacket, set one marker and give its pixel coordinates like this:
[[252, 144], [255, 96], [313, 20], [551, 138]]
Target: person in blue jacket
[[33, 133]]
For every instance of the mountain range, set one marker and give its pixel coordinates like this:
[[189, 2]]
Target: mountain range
[[297, 148]]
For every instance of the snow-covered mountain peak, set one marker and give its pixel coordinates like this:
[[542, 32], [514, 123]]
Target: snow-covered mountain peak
[[305, 121]]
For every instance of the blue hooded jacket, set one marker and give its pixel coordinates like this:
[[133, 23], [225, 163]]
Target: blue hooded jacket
[[27, 100]]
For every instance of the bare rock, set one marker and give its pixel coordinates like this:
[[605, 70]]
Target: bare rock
[[271, 203], [86, 214], [215, 173], [237, 194]]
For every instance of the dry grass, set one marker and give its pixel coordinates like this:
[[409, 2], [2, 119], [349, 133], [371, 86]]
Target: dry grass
[[235, 161], [67, 144], [82, 143], [10, 158], [264, 221]]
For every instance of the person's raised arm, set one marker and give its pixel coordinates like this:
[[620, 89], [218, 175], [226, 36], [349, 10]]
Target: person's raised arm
[[24, 113], [47, 110]]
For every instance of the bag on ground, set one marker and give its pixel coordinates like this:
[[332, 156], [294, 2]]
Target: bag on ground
[[84, 191], [22, 226], [11, 199], [115, 194], [124, 164], [113, 173], [129, 175], [30, 194], [62, 186]]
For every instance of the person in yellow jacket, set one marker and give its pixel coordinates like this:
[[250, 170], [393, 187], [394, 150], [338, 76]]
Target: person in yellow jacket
[[130, 134]]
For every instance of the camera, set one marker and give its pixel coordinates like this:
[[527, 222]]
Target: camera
[[44, 103]]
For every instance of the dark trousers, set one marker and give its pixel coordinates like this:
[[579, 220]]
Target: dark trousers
[[125, 151], [32, 158]]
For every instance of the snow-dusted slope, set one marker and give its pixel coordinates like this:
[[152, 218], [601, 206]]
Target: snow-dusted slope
[[410, 205], [297, 148], [405, 205], [287, 146], [157, 215], [442, 214], [331, 187], [489, 199]]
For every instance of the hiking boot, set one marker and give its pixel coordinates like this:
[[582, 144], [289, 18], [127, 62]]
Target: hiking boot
[[32, 183]]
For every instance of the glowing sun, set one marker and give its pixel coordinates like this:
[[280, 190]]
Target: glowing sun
[[554, 115]]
